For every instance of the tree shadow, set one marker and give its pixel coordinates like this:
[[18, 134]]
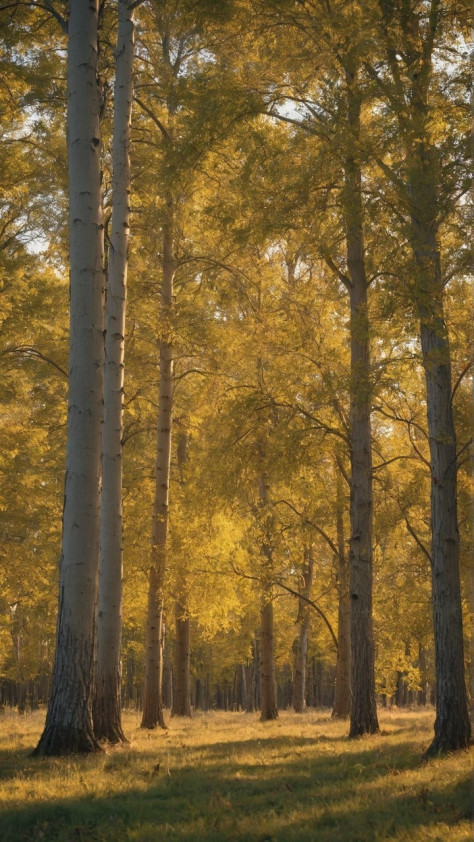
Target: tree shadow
[[212, 799]]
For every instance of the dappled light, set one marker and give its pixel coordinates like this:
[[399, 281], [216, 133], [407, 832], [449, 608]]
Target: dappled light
[[235, 420], [223, 777]]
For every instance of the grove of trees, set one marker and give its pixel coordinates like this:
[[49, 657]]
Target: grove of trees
[[240, 448]]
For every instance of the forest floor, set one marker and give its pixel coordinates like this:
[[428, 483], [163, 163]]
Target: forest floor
[[226, 776]]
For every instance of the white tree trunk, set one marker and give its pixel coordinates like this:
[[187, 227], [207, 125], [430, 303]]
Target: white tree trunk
[[363, 705], [68, 725], [107, 701]]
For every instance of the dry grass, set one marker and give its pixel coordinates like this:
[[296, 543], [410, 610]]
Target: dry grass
[[226, 776]]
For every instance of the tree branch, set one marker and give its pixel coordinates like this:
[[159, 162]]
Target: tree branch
[[418, 540], [30, 352]]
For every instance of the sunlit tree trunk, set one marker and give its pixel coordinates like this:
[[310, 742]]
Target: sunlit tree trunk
[[421, 195], [452, 726], [301, 642], [152, 698], [107, 695], [68, 725], [342, 695], [363, 704]]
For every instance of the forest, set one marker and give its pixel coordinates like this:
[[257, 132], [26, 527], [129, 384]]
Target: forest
[[235, 393]]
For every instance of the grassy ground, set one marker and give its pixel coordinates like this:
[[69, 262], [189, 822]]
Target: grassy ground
[[226, 776]]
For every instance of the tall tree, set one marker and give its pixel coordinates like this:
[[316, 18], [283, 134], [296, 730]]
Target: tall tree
[[152, 698], [182, 677], [363, 704], [428, 190], [68, 725], [107, 692]]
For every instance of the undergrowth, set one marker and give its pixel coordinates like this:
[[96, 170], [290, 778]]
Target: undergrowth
[[226, 776]]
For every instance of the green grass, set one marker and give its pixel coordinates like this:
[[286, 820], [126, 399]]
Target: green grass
[[226, 776]]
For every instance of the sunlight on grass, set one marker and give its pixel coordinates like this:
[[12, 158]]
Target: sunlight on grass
[[226, 776]]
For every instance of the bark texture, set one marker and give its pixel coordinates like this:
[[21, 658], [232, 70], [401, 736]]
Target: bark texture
[[363, 704], [68, 725], [421, 195], [452, 726], [107, 695], [152, 696]]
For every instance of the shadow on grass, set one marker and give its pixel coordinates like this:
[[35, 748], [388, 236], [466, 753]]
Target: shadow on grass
[[328, 798]]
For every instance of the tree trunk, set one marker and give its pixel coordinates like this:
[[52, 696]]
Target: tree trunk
[[267, 663], [152, 697], [68, 725], [182, 677], [363, 704], [268, 705], [452, 726], [421, 194], [342, 697], [301, 642], [182, 688], [422, 668], [107, 695]]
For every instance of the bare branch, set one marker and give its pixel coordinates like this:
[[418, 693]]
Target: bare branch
[[460, 379], [30, 352], [418, 540]]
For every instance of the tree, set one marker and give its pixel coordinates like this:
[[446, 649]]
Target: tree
[[342, 695], [300, 645], [68, 725], [182, 679], [363, 705], [428, 188], [107, 691]]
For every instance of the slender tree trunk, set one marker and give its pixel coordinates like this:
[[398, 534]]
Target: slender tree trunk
[[182, 695], [301, 642], [268, 704], [152, 697], [422, 668], [452, 726], [363, 704], [182, 676], [267, 662], [421, 194], [342, 697], [68, 725], [107, 700]]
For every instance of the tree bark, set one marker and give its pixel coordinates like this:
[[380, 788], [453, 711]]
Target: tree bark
[[452, 726], [363, 704], [342, 697], [301, 642], [152, 697], [107, 695], [68, 725], [421, 195]]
